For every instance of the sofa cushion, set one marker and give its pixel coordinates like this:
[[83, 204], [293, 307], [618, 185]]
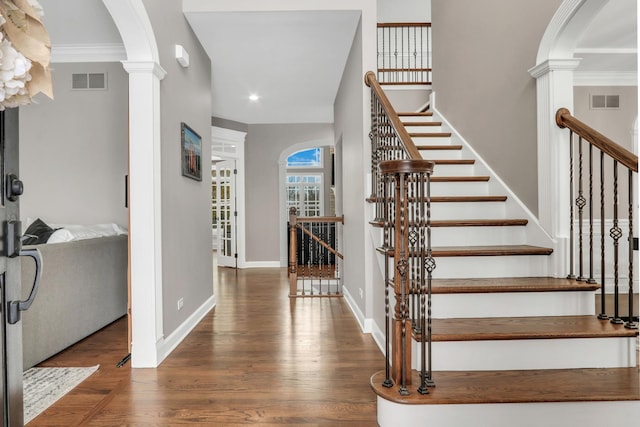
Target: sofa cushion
[[37, 233]]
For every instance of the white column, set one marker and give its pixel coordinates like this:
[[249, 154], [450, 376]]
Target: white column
[[145, 211], [554, 80]]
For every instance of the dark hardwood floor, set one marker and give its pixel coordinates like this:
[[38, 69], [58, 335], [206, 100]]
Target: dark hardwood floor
[[258, 358]]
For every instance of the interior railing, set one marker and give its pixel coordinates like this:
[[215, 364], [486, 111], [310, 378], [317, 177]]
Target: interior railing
[[589, 208], [400, 186], [404, 53], [314, 261]]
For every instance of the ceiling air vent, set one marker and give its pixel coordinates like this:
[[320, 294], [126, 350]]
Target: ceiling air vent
[[84, 81], [600, 102]]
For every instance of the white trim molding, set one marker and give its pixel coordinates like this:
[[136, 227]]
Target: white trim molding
[[605, 78], [109, 52]]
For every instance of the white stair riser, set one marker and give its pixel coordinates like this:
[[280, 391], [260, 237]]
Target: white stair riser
[[548, 414], [512, 304], [431, 140], [459, 188], [476, 236], [441, 154], [453, 170], [409, 119], [423, 129], [530, 354], [468, 210], [491, 266]]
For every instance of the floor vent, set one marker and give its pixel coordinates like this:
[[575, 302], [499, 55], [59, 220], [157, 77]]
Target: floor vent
[[84, 81]]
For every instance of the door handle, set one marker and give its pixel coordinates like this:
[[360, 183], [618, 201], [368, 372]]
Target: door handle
[[14, 308]]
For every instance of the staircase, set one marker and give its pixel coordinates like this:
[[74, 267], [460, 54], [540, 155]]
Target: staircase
[[511, 346]]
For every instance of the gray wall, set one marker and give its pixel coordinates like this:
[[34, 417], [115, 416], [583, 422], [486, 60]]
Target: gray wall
[[616, 124], [481, 54], [185, 96], [404, 10], [74, 150], [349, 122], [263, 145]]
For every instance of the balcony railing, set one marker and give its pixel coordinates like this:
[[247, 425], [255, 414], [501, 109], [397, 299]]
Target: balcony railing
[[404, 53]]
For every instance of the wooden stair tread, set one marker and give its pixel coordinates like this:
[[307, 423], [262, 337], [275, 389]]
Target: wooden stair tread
[[518, 328], [456, 199], [438, 147], [469, 178], [416, 113], [427, 124], [469, 223], [454, 162], [510, 284], [478, 222], [463, 199], [522, 386], [429, 134], [465, 251], [502, 250]]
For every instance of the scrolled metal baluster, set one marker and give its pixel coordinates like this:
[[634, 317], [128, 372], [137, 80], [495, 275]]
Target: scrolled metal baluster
[[603, 311], [571, 237], [580, 203], [591, 279], [631, 324], [616, 233]]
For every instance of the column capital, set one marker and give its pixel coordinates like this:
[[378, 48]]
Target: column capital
[[150, 67], [549, 65]]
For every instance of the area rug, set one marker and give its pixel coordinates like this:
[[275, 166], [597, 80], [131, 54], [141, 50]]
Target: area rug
[[44, 386]]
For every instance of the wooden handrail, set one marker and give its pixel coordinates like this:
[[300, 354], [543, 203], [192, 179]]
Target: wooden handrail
[[564, 119], [320, 219], [412, 151], [320, 241], [403, 24]]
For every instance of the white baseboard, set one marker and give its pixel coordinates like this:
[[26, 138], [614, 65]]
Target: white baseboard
[[260, 264], [166, 346], [365, 324]]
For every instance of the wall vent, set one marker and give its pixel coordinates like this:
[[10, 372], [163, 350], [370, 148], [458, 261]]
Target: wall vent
[[85, 81], [600, 102]]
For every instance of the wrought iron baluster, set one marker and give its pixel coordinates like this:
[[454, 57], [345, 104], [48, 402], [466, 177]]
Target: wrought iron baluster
[[631, 323], [603, 310], [571, 237], [591, 279], [616, 233], [580, 203], [401, 200]]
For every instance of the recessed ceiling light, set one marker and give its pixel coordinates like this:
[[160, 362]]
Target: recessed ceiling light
[[253, 97]]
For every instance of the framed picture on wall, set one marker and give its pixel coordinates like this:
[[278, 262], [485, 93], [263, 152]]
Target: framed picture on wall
[[191, 152]]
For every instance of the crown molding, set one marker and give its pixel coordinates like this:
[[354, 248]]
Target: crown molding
[[605, 78], [110, 52]]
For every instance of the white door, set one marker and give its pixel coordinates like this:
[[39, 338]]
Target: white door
[[226, 207]]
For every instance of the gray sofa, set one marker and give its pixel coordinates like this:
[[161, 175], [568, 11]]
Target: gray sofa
[[83, 288]]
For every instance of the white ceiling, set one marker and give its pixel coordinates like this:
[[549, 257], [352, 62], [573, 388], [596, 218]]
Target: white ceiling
[[294, 60]]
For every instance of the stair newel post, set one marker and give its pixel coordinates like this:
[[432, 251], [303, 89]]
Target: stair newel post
[[580, 203], [591, 279], [603, 310], [631, 324], [293, 251], [571, 236], [615, 232], [401, 272], [387, 280]]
